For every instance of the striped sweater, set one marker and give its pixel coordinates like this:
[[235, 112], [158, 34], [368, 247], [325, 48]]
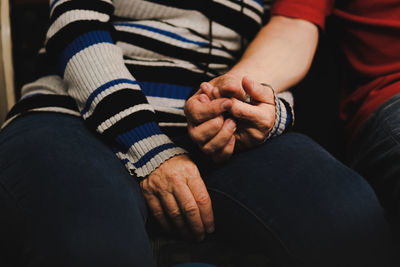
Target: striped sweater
[[127, 66]]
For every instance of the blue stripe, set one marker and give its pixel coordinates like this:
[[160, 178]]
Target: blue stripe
[[53, 4], [102, 88], [139, 133], [288, 119], [166, 90], [260, 2], [163, 32], [82, 42], [149, 155]]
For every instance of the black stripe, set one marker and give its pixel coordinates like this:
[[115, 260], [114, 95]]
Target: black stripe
[[115, 103], [289, 111], [94, 5], [174, 131], [42, 101], [69, 33], [128, 123], [169, 117], [170, 50], [167, 74], [235, 20]]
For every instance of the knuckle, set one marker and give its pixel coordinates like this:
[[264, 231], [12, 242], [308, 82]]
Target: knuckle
[[175, 213], [190, 209], [158, 213], [208, 149], [203, 200], [217, 123], [258, 136]]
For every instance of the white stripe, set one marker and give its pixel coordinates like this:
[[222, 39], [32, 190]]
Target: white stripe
[[172, 124], [165, 102], [158, 160], [170, 110], [148, 144], [92, 67], [72, 16], [117, 117], [175, 42], [237, 7], [51, 84]]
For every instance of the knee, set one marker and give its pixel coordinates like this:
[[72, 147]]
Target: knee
[[91, 246]]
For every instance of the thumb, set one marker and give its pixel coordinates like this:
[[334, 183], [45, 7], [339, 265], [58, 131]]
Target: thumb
[[257, 91]]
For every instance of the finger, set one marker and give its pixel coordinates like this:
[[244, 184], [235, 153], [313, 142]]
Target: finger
[[190, 210], [207, 130], [258, 92], [222, 138], [229, 86], [259, 114], [173, 211], [226, 152], [198, 112], [216, 93], [156, 208], [207, 89], [203, 201]]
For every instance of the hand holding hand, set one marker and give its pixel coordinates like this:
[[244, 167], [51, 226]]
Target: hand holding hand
[[255, 119], [207, 126]]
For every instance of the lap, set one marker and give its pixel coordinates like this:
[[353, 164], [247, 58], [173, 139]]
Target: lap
[[375, 153], [75, 196], [309, 205]]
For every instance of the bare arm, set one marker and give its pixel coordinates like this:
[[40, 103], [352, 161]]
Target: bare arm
[[281, 54]]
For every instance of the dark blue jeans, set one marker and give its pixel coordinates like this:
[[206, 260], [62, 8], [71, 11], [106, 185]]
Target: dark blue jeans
[[66, 200], [375, 153]]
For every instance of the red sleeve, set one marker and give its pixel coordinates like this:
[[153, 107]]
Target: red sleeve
[[314, 11]]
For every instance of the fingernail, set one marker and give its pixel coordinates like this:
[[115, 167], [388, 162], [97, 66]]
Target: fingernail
[[210, 229], [226, 105], [205, 85], [231, 124]]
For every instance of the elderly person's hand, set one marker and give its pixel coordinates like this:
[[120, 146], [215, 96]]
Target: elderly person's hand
[[254, 119], [176, 192], [207, 126]]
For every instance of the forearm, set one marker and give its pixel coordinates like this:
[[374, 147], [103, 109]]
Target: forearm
[[107, 95], [281, 54]]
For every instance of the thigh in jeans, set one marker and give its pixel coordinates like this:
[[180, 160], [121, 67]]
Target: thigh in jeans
[[66, 199], [303, 206], [375, 153]]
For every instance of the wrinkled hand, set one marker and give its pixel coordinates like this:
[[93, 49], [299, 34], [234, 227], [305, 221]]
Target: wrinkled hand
[[176, 192], [255, 119], [207, 126]]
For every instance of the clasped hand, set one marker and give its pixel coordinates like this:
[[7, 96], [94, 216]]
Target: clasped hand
[[219, 120]]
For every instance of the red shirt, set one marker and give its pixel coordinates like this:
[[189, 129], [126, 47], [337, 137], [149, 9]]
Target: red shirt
[[369, 33]]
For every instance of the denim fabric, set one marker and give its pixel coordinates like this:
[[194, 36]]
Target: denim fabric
[[375, 153], [66, 200]]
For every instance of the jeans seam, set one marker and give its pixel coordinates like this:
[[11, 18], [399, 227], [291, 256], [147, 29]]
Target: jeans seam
[[255, 216]]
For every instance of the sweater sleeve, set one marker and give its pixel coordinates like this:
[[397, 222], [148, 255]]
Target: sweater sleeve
[[108, 97], [314, 11]]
